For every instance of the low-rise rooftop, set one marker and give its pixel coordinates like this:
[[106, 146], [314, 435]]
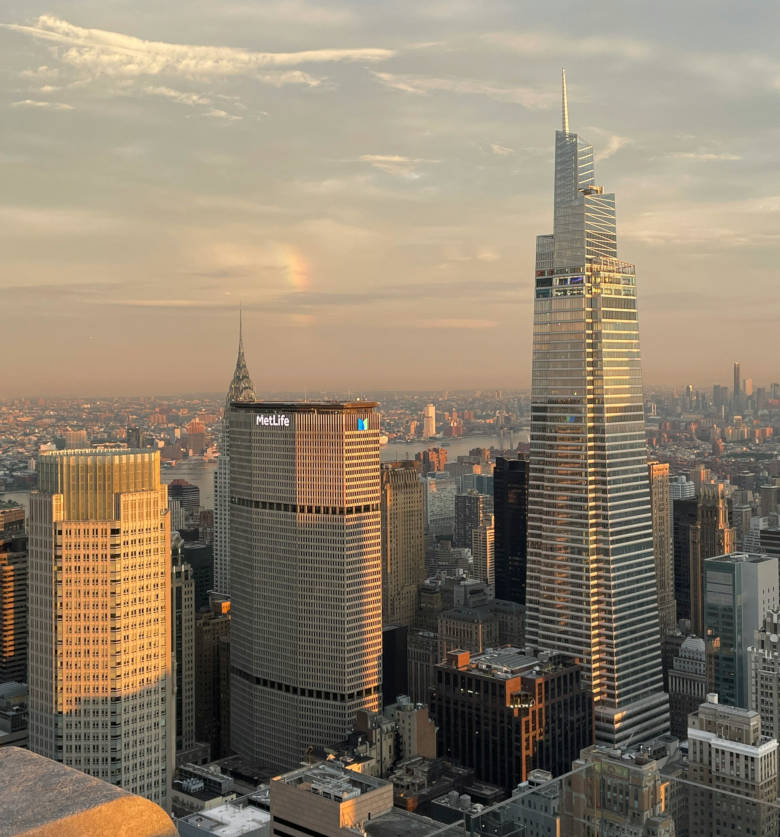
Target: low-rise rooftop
[[232, 819]]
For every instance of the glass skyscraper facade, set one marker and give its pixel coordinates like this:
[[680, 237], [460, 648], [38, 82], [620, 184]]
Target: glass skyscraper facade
[[591, 587]]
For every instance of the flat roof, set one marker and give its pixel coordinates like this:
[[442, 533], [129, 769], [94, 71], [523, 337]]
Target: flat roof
[[399, 823], [742, 558], [303, 406], [229, 820], [331, 777]]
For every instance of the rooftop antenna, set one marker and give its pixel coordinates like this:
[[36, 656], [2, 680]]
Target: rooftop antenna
[[564, 102]]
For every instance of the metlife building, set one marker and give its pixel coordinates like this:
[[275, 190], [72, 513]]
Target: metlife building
[[305, 546]]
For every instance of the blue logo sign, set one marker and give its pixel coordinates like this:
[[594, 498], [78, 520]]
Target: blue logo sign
[[362, 424]]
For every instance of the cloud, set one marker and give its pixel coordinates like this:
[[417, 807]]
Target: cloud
[[33, 221], [704, 156], [613, 145], [501, 150], [555, 43], [485, 254], [456, 323], [423, 86], [712, 227], [218, 113], [396, 164], [99, 52], [37, 103], [180, 96]]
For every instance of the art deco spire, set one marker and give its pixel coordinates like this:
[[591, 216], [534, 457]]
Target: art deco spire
[[241, 387]]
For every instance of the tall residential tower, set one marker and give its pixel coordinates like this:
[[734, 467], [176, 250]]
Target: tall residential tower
[[241, 389], [591, 585]]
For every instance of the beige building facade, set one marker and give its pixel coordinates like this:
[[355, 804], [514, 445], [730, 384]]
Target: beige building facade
[[403, 542], [661, 510], [100, 633]]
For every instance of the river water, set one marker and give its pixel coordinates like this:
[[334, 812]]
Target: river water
[[455, 447]]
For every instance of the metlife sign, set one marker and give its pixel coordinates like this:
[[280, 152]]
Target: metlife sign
[[272, 420]]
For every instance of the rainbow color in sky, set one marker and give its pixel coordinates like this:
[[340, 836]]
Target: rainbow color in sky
[[296, 268]]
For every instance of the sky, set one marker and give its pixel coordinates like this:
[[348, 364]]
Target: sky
[[366, 179]]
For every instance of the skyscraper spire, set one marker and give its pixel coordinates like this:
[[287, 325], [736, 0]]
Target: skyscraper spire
[[241, 387], [564, 102], [591, 587]]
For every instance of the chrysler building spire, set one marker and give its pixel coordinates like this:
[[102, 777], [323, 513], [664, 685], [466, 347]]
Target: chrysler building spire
[[241, 387]]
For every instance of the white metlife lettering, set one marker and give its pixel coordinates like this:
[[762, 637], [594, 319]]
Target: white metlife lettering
[[273, 420]]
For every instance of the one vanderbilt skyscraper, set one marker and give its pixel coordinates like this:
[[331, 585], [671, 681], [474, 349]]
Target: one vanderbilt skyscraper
[[591, 587]]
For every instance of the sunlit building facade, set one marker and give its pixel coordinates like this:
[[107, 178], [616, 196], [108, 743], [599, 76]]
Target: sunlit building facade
[[101, 688], [403, 541], [591, 585], [306, 575]]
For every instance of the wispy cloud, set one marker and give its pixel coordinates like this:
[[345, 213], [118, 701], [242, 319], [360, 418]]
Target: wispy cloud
[[613, 145], [704, 156], [395, 164], [423, 86], [501, 150], [556, 43], [100, 52], [455, 323], [38, 103]]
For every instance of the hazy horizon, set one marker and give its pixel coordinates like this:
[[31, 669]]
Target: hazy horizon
[[368, 181]]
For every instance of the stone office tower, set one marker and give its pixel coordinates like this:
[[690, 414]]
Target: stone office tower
[[591, 586], [101, 690], [403, 542], [306, 575], [241, 389]]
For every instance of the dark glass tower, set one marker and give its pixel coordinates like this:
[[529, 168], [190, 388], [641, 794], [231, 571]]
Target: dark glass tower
[[510, 509], [591, 586]]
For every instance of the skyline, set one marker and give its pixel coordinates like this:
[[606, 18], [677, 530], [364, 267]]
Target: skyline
[[375, 198]]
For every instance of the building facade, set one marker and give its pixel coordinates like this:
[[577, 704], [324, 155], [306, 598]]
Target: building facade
[[661, 507], [306, 574], [591, 585], [183, 644], [241, 389], [764, 674], [429, 421], [212, 677], [616, 794], [101, 688], [13, 595], [504, 713], [403, 542], [471, 510], [510, 510], [727, 751], [691, 679], [483, 551], [740, 589]]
